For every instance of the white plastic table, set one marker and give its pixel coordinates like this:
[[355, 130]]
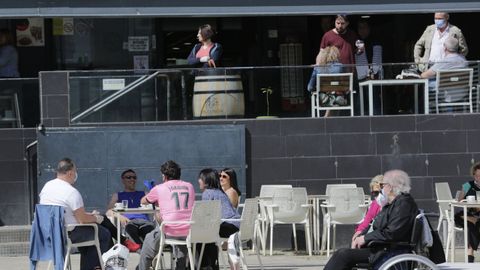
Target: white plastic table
[[118, 212], [372, 83], [462, 204]]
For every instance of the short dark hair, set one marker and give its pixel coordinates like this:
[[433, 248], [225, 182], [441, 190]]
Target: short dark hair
[[211, 178], [65, 165], [342, 16], [475, 167], [233, 179], [171, 170], [206, 31], [127, 171]]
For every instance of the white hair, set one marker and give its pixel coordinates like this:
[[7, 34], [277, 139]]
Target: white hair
[[451, 44], [398, 180]]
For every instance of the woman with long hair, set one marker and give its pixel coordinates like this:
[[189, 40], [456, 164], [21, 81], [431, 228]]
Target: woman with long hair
[[228, 181], [209, 183]]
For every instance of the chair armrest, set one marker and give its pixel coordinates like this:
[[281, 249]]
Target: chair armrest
[[386, 244], [73, 226], [307, 205], [231, 219], [270, 206], [327, 205], [445, 201]]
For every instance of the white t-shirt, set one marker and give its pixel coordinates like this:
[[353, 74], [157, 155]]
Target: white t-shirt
[[60, 192]]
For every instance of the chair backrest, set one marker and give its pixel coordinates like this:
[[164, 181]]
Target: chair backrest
[[268, 190], [335, 186], [289, 202], [249, 216], [347, 203], [206, 219], [454, 85], [338, 82], [443, 192]]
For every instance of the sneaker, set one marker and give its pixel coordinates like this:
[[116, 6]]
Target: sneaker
[[132, 246]]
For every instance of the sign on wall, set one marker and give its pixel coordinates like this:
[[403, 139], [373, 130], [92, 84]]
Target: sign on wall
[[30, 32], [63, 27]]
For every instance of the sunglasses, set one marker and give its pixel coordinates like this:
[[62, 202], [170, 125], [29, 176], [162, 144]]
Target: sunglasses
[[383, 184], [223, 176], [130, 177]]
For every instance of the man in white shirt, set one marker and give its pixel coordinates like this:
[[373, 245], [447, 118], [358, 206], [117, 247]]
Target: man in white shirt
[[60, 191], [429, 48]]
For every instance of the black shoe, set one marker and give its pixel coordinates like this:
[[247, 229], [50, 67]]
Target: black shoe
[[471, 258]]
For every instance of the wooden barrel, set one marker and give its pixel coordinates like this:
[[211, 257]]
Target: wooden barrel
[[219, 96]]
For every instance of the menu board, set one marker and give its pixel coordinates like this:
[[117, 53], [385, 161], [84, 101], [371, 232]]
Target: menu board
[[30, 32]]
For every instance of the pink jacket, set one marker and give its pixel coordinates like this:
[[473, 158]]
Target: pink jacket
[[372, 212]]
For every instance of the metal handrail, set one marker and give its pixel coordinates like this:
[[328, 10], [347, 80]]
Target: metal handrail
[[127, 89]]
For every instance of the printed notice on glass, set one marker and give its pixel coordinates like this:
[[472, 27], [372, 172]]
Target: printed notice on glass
[[113, 84], [138, 44]]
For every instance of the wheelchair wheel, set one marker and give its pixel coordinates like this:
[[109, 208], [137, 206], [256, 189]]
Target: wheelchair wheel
[[408, 262]]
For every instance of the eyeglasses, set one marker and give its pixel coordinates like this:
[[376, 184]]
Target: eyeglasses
[[383, 184], [223, 176], [130, 177]]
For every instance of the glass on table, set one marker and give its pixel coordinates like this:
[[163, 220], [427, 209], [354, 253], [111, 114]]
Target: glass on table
[[477, 193], [125, 204], [458, 195]]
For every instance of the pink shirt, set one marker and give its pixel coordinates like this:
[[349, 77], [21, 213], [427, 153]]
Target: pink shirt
[[174, 199], [372, 212]]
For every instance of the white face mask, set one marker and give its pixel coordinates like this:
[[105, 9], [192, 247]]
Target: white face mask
[[381, 199], [75, 178]]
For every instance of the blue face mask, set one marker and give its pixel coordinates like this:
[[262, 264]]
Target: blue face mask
[[440, 23]]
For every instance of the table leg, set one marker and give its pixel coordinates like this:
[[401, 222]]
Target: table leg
[[117, 216], [465, 233], [425, 98], [452, 231], [361, 100], [416, 97], [370, 99]]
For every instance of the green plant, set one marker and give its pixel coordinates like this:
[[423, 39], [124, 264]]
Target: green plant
[[267, 91]]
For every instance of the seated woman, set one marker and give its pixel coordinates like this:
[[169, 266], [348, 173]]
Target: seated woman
[[393, 224], [374, 208], [228, 181], [209, 184], [327, 62], [473, 222]]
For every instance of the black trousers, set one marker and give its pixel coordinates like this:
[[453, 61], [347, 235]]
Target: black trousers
[[138, 229], [347, 258], [210, 253]]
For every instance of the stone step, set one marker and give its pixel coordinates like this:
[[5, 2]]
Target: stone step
[[20, 233], [14, 249]]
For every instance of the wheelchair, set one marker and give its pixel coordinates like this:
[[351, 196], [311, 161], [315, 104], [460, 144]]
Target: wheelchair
[[413, 257]]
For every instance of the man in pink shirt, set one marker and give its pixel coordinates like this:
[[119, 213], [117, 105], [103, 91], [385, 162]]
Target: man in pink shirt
[[174, 199]]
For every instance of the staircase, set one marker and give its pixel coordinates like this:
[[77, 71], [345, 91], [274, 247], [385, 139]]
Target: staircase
[[15, 241]]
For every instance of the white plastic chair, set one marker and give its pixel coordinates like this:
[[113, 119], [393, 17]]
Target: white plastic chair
[[248, 223], [328, 190], [290, 206], [265, 198], [444, 198], [454, 88], [204, 227], [338, 82], [346, 205], [94, 242]]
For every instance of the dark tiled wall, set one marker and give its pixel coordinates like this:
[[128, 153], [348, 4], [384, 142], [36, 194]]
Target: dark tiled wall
[[315, 152], [14, 191], [54, 99]]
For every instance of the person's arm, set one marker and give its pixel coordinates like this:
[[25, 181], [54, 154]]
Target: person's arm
[[428, 74], [232, 197], [462, 43], [371, 213], [216, 53], [419, 47], [192, 57], [113, 200], [6, 54], [84, 217]]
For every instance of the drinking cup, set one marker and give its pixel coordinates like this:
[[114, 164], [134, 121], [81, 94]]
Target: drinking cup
[[125, 204]]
